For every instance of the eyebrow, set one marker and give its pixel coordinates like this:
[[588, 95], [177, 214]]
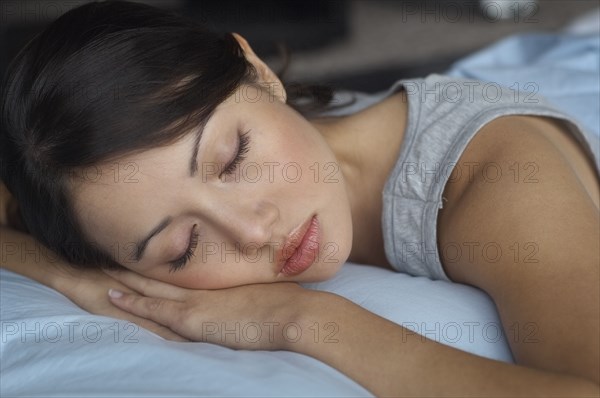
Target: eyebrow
[[194, 158], [196, 147], [143, 243]]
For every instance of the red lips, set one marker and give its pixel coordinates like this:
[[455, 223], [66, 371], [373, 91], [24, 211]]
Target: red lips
[[301, 249]]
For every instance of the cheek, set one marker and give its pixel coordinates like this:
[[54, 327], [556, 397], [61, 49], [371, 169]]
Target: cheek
[[186, 280], [293, 137], [193, 277], [304, 146]]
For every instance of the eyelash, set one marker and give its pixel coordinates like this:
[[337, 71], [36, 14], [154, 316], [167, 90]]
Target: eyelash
[[243, 148], [182, 261]]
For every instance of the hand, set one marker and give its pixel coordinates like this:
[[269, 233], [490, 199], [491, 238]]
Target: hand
[[243, 317], [87, 288]]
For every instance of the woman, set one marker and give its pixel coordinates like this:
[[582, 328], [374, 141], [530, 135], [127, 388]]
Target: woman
[[139, 143]]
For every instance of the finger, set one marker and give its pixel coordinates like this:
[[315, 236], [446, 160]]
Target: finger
[[163, 311], [150, 325], [148, 287]]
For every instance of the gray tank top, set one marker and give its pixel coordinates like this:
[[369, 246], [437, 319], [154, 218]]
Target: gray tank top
[[444, 114]]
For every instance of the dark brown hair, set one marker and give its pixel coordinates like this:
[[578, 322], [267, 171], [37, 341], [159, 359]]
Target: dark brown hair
[[103, 81]]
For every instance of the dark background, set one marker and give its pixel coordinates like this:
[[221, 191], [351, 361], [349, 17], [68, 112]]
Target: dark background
[[360, 45]]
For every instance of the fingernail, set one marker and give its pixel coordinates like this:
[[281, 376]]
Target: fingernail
[[115, 293]]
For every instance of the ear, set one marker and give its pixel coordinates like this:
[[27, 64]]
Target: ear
[[265, 73]]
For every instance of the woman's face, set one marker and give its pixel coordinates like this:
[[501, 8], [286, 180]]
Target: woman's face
[[237, 214]]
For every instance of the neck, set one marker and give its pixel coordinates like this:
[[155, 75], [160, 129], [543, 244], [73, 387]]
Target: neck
[[366, 145]]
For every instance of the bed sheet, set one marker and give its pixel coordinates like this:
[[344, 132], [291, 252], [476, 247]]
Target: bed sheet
[[51, 347], [563, 66]]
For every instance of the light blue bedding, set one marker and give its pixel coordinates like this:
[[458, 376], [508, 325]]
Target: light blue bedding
[[564, 67], [50, 347]]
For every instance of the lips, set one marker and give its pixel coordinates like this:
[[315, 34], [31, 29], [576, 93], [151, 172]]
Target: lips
[[300, 249]]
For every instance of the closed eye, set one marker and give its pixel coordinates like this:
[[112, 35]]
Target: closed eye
[[182, 261], [240, 155]]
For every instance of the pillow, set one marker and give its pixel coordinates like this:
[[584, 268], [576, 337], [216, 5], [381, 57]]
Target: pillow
[[51, 347]]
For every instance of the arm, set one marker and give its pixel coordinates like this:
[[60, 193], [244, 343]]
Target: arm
[[390, 360], [549, 271], [20, 252]]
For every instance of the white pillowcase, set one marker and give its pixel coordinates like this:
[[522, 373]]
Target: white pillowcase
[[51, 347]]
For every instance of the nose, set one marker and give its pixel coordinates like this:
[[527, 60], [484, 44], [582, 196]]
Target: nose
[[249, 223]]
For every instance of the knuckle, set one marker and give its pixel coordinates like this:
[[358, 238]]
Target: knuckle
[[154, 305], [144, 284], [181, 314]]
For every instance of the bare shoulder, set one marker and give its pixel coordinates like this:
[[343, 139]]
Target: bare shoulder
[[530, 238], [521, 181]]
